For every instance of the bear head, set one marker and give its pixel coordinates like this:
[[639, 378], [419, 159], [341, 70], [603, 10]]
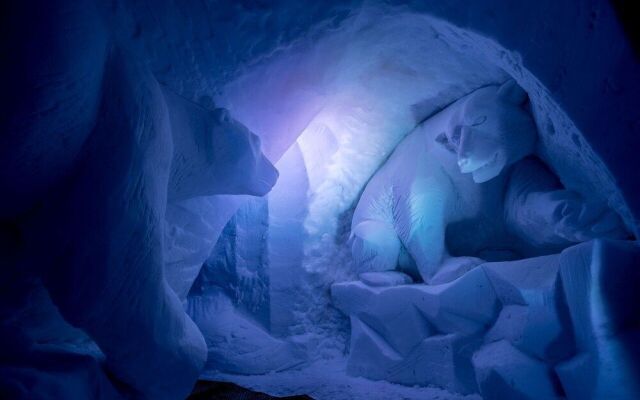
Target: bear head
[[490, 130], [214, 154]]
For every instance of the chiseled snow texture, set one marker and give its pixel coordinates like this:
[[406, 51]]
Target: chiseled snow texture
[[122, 300], [361, 95], [373, 92], [600, 282], [430, 183], [388, 278], [235, 342], [534, 317], [230, 300], [418, 334], [566, 325], [572, 58], [96, 239], [504, 372], [356, 96], [99, 240], [190, 235]]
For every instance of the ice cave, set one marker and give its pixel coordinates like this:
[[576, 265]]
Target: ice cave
[[329, 200]]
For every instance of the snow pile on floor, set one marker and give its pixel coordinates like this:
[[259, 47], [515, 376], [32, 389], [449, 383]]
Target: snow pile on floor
[[328, 380]]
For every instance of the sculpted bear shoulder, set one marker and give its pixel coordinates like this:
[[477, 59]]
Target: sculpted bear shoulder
[[465, 187], [102, 229]]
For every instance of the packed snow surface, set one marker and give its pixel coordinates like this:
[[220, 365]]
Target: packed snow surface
[[328, 380]]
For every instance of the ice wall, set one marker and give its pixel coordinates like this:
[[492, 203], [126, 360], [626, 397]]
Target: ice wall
[[331, 69], [374, 80], [300, 75], [297, 61], [377, 76]]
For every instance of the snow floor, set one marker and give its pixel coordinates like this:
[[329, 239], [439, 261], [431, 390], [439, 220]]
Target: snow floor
[[327, 380]]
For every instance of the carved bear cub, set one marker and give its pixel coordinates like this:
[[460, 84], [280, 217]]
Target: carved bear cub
[[465, 187]]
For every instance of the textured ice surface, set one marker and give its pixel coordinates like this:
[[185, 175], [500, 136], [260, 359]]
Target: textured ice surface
[[552, 334], [122, 299], [230, 301], [386, 278], [103, 229], [355, 97], [191, 229], [503, 372], [599, 281], [238, 265], [235, 342], [535, 317], [353, 81], [466, 305], [418, 334]]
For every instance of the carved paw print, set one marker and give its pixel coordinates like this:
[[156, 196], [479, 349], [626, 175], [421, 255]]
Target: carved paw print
[[577, 220]]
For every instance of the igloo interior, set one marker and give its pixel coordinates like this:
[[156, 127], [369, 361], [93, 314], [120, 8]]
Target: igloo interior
[[393, 199]]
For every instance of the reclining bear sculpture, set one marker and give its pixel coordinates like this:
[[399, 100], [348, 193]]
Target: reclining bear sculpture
[[461, 200], [465, 187]]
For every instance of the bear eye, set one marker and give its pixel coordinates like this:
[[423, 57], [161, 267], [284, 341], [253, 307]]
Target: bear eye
[[455, 135], [442, 138], [479, 121]]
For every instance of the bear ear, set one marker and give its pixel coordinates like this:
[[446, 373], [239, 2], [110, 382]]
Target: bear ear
[[511, 92], [442, 140]]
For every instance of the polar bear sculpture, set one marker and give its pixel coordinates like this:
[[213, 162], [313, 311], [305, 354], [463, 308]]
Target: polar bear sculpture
[[101, 229], [464, 187]]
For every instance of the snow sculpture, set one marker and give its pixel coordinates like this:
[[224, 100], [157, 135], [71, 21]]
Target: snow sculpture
[[534, 317], [540, 328], [600, 281], [418, 334], [103, 225], [214, 154], [463, 187], [106, 280], [503, 372], [230, 300]]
